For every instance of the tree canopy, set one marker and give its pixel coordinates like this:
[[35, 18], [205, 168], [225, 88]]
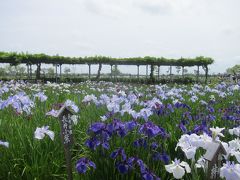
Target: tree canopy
[[234, 70]]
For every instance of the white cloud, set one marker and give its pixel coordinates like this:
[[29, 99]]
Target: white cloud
[[108, 8], [237, 58], [153, 6]]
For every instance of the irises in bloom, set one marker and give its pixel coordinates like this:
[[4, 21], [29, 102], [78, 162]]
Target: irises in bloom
[[235, 131], [190, 143], [125, 164], [72, 105], [4, 143], [41, 96], [230, 171], [152, 130], [41, 132], [216, 132], [19, 102], [178, 168], [83, 164]]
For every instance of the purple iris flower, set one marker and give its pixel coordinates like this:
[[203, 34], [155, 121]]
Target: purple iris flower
[[178, 105], [154, 145], [211, 117], [163, 133], [201, 128], [134, 161], [83, 164], [119, 152], [126, 165], [92, 143], [97, 127], [182, 127], [162, 157], [231, 118], [140, 143], [145, 172], [211, 109], [148, 175], [100, 135], [149, 129], [119, 127], [170, 107], [160, 111], [130, 125], [122, 167], [187, 115], [186, 106]]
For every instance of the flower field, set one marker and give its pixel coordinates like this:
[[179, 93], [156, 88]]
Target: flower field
[[120, 131]]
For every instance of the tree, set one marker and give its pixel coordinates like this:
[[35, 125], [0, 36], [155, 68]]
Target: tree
[[67, 70], [20, 70], [116, 71], [2, 71], [178, 69], [234, 70], [185, 70], [50, 72], [10, 70]]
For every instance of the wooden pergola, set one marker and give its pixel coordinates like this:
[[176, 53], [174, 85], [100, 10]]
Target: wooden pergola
[[13, 58]]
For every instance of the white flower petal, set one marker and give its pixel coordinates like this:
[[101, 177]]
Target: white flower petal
[[38, 134], [190, 152], [6, 144], [187, 167], [50, 134], [169, 168], [178, 172]]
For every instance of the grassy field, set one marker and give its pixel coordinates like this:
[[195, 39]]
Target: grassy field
[[121, 127]]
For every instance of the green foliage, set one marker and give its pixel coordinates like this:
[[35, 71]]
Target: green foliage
[[178, 68], [29, 158], [15, 58], [2, 71], [234, 70], [67, 70], [50, 72], [115, 70]]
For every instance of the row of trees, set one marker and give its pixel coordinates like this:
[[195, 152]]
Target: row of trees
[[12, 71], [20, 71]]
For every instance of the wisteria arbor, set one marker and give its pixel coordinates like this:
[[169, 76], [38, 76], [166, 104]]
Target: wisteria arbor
[[38, 59]]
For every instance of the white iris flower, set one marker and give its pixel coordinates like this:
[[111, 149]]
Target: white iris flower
[[40, 133], [178, 168], [230, 171], [6, 144], [216, 132]]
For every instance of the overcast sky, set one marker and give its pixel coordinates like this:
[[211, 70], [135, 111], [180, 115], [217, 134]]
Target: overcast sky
[[124, 28]]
